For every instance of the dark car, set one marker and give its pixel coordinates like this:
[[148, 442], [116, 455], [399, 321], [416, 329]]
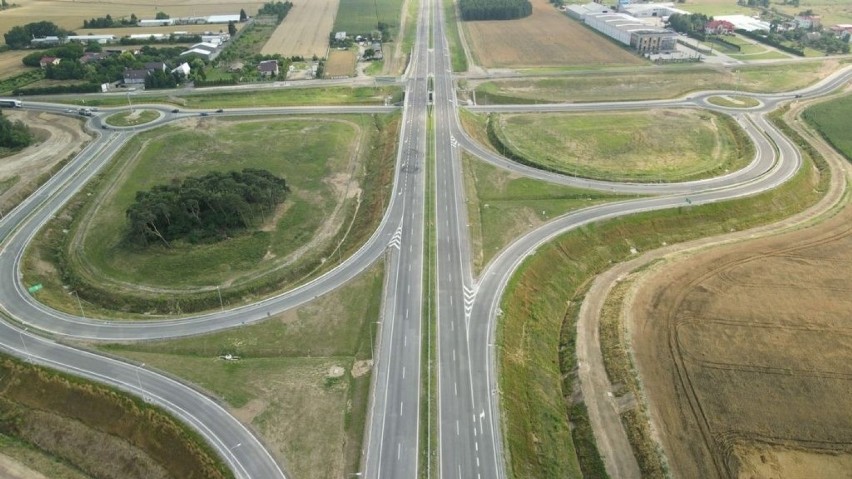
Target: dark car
[[105, 127], [219, 110], [204, 113], [175, 111]]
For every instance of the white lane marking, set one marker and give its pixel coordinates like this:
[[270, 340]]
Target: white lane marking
[[403, 372], [454, 355], [476, 444], [456, 388], [457, 427], [405, 340], [398, 450], [406, 313], [400, 408]]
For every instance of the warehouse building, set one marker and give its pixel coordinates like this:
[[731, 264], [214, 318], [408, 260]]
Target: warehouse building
[[633, 32]]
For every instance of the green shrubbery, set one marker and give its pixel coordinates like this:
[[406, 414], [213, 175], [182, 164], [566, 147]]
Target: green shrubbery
[[14, 135], [494, 9]]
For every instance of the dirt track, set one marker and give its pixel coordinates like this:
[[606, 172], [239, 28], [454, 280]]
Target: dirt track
[[61, 137], [745, 352]]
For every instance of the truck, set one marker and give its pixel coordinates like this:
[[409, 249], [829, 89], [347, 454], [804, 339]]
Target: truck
[[10, 103], [85, 111]]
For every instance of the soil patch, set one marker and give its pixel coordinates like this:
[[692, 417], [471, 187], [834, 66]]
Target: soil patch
[[60, 137]]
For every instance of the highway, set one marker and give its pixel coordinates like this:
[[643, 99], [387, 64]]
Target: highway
[[470, 444]]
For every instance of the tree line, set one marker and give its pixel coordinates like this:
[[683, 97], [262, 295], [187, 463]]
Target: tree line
[[14, 135], [277, 9], [204, 208], [494, 9], [690, 24], [109, 22], [20, 35]]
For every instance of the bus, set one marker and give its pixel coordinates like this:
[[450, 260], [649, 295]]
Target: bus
[[10, 103]]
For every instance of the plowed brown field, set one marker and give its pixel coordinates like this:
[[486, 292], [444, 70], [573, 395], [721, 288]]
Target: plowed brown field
[[746, 356], [545, 38]]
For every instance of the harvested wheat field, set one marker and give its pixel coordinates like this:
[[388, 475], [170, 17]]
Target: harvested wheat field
[[340, 63], [70, 14], [304, 31], [545, 38], [746, 356]]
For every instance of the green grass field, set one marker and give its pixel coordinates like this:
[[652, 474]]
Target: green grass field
[[281, 384], [327, 162], [127, 118], [831, 119], [715, 7], [458, 57], [502, 206], [734, 101], [647, 85], [660, 145], [536, 305], [362, 16]]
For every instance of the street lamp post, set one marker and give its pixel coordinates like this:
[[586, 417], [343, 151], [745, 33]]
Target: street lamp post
[[24, 344], [80, 304], [129, 103], [138, 378], [221, 303]]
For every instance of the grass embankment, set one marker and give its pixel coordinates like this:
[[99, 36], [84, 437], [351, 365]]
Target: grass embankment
[[647, 85], [266, 97], [831, 120], [138, 117], [100, 431], [37, 460], [734, 101], [536, 304], [284, 383], [502, 206], [429, 446], [458, 58], [661, 145], [340, 178]]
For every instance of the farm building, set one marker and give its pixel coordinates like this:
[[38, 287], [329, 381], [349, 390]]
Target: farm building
[[646, 10], [145, 36], [579, 12], [160, 22], [207, 51], [44, 41], [182, 68], [268, 68], [223, 18], [807, 22], [90, 57], [215, 38], [718, 27], [631, 31], [102, 39]]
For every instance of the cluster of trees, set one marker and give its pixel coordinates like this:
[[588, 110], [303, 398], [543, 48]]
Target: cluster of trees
[[109, 22], [19, 36], [494, 9], [14, 135], [796, 40], [754, 3], [203, 208], [690, 24], [277, 9]]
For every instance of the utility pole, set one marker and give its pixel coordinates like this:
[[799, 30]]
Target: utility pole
[[80, 303], [26, 350], [221, 303]]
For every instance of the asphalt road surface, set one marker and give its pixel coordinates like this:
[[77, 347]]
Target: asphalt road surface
[[468, 403]]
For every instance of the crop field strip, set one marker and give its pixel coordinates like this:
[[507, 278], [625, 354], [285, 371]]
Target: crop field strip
[[304, 31], [546, 38], [69, 14]]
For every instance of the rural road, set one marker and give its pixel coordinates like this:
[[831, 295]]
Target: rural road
[[470, 444]]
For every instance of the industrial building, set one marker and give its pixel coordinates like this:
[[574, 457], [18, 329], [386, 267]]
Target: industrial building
[[632, 32]]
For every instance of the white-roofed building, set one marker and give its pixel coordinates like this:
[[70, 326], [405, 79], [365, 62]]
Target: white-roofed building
[[645, 10], [742, 22], [159, 22], [102, 39], [223, 18], [579, 12], [207, 51], [182, 68]]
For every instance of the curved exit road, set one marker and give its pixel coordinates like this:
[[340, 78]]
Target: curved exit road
[[467, 307]]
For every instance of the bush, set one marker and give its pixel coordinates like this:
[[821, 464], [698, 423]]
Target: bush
[[14, 135], [51, 90]]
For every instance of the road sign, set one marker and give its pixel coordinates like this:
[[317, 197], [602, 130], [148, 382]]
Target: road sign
[[34, 288]]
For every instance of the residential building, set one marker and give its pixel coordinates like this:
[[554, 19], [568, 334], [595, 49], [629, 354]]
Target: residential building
[[268, 68], [808, 22], [45, 61], [135, 77], [719, 27]]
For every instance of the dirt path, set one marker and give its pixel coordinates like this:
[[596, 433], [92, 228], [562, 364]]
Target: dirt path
[[61, 137], [603, 413], [12, 469]]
